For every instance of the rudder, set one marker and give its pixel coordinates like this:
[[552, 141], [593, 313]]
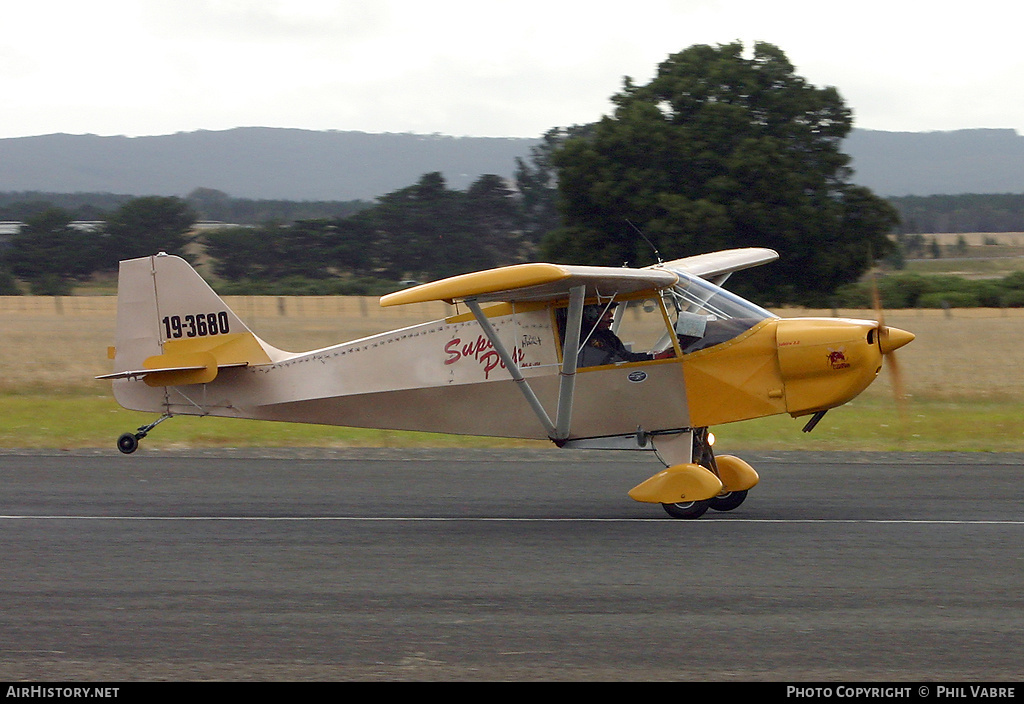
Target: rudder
[[173, 330]]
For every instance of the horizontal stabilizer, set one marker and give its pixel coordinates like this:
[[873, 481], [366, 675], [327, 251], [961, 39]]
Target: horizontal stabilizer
[[196, 360], [169, 376]]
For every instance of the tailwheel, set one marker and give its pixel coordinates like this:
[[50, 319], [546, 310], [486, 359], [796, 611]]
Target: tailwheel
[[128, 443], [690, 509], [728, 500]]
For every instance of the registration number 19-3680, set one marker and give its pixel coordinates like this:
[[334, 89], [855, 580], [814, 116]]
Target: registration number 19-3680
[[198, 325]]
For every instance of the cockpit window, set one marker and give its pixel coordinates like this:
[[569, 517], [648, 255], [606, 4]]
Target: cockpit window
[[707, 315], [697, 312], [614, 333]]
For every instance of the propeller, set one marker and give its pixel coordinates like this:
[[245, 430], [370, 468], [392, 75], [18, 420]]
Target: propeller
[[890, 340]]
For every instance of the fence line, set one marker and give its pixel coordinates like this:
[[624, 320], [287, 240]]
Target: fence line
[[252, 307], [244, 306]]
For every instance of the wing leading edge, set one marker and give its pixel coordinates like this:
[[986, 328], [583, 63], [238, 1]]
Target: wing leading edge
[[717, 266], [548, 282], [534, 282]]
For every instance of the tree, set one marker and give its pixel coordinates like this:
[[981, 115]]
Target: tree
[[315, 249], [210, 203], [322, 248], [8, 286], [241, 252], [50, 254], [148, 225], [537, 182], [720, 150], [422, 232], [493, 216]]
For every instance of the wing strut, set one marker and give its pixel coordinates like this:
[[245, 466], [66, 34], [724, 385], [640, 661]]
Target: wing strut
[[570, 358], [513, 368]]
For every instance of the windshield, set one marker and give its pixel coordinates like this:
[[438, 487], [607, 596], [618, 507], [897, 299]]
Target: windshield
[[707, 315]]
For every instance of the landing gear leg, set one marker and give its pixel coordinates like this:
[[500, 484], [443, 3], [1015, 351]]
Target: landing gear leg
[[705, 456], [702, 452], [702, 455], [129, 442]]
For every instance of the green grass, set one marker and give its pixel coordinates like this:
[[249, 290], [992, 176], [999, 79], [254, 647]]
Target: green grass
[[876, 425], [80, 422], [971, 269]]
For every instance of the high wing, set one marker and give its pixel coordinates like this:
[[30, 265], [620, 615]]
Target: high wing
[[534, 282], [574, 284], [717, 266], [538, 282], [547, 282]]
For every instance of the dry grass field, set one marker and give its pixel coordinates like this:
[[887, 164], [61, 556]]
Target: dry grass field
[[963, 362], [973, 255], [58, 345]]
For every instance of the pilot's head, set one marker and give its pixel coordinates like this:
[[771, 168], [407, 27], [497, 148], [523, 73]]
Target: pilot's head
[[598, 315]]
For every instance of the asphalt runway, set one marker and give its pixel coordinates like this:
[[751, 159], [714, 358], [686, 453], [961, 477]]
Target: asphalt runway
[[478, 565]]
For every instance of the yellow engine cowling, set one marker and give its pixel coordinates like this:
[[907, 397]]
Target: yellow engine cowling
[[796, 365], [826, 362]]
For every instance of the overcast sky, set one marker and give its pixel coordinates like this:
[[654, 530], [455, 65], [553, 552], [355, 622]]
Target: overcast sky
[[479, 68]]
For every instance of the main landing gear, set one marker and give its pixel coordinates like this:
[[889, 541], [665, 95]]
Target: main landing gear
[[729, 473], [129, 442]]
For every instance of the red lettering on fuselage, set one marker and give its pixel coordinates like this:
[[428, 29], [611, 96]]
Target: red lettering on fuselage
[[481, 350]]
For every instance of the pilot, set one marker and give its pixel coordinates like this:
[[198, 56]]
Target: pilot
[[603, 346]]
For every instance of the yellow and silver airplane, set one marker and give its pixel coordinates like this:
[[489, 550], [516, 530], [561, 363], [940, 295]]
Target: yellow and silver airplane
[[587, 357]]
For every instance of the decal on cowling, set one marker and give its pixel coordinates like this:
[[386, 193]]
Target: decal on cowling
[[837, 359]]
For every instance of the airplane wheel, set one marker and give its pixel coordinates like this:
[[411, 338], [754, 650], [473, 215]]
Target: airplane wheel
[[728, 501], [692, 509], [128, 443]]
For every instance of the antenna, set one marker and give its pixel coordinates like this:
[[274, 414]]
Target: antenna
[[657, 254]]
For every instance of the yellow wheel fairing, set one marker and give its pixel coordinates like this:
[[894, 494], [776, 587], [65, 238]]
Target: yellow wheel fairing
[[736, 475], [680, 483]]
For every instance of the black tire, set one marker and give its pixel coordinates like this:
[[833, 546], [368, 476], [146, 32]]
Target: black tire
[[128, 443], [728, 501], [691, 509]]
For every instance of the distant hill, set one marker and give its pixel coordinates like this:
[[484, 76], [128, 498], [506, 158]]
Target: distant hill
[[933, 163], [304, 165], [251, 162]]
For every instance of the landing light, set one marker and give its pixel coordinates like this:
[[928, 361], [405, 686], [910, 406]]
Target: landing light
[[711, 438]]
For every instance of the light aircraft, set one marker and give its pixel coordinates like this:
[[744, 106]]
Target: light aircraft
[[517, 361]]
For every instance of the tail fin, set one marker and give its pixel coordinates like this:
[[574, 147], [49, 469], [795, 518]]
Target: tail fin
[[173, 329]]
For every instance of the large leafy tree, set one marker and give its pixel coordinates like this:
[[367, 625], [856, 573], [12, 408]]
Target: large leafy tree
[[148, 225], [722, 150]]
